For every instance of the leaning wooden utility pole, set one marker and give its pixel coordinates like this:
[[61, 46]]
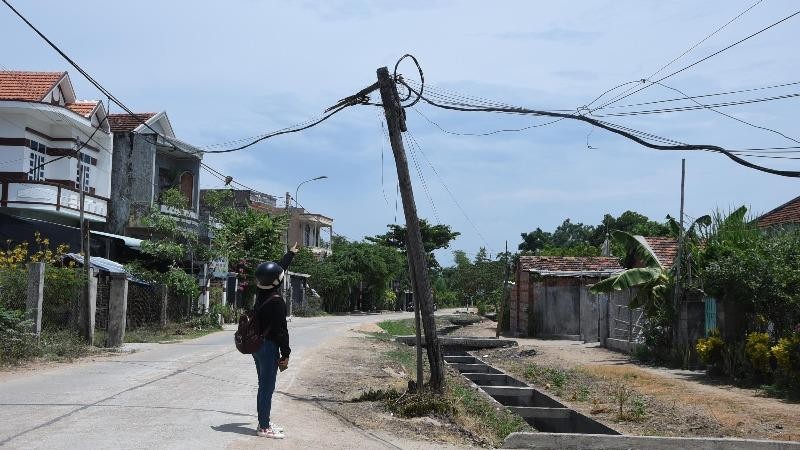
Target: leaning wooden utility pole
[[395, 121], [417, 328]]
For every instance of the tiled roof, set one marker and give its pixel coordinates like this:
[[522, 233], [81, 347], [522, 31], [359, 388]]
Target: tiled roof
[[126, 122], [570, 265], [665, 249], [27, 86], [83, 108], [788, 213]]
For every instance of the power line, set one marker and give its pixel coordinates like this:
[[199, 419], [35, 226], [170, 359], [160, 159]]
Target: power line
[[700, 60], [280, 132], [689, 49], [600, 124], [119, 103], [733, 117], [706, 95], [698, 105], [488, 133]]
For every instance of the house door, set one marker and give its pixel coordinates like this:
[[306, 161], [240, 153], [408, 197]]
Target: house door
[[187, 187]]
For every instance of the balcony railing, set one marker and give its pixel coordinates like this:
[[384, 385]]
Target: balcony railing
[[52, 197]]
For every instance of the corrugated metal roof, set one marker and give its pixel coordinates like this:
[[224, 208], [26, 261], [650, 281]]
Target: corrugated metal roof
[[105, 265]]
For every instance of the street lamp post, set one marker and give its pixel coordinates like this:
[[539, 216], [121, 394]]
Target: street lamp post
[[297, 204]]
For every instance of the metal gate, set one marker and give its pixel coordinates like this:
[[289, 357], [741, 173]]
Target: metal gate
[[711, 314]]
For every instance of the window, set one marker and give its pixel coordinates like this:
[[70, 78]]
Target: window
[[36, 161], [85, 162]]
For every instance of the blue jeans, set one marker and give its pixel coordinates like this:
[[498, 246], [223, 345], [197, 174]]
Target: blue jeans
[[266, 359]]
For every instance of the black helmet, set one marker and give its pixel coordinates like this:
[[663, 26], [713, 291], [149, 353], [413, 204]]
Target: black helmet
[[269, 275]]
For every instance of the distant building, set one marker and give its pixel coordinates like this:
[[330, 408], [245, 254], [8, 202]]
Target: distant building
[[145, 164], [42, 125], [785, 216], [305, 228]]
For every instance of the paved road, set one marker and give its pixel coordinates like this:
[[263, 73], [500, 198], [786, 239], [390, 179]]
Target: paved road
[[198, 394]]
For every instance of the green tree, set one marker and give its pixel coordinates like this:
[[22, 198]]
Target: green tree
[[355, 271], [434, 237], [173, 243], [535, 240]]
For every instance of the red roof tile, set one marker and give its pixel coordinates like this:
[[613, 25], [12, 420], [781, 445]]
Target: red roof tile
[[83, 108], [786, 214], [569, 264], [126, 122], [665, 249], [27, 86]]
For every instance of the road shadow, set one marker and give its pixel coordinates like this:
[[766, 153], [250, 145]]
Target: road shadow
[[238, 428]]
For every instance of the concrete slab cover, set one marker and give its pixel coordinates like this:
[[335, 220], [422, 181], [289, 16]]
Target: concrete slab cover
[[622, 442]]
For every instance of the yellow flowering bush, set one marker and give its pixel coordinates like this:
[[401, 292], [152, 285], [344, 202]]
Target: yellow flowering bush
[[757, 351], [59, 281], [710, 349], [787, 352]]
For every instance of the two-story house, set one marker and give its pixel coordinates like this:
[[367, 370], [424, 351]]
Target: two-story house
[[52, 146], [145, 164]]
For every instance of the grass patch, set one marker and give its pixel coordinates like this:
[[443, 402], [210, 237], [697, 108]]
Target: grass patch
[[479, 414], [171, 332], [403, 327], [405, 356], [52, 345], [609, 389]]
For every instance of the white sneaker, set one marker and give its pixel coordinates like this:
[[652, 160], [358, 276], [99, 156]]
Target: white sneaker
[[277, 428], [269, 433]]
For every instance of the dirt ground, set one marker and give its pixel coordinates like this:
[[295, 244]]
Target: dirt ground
[[356, 363], [674, 402]]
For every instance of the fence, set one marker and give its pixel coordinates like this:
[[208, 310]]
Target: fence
[[59, 288]]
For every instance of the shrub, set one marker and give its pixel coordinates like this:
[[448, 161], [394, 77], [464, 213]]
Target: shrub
[[710, 350], [757, 351], [787, 355], [13, 287], [17, 343]]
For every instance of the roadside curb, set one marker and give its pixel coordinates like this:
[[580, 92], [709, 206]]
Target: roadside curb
[[624, 442]]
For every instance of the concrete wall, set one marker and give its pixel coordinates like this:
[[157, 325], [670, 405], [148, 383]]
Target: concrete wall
[[132, 178]]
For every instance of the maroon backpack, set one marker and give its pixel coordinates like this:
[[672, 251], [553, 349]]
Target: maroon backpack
[[247, 338]]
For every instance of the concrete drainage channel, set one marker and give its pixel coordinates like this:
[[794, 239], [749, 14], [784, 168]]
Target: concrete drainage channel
[[541, 411], [563, 428]]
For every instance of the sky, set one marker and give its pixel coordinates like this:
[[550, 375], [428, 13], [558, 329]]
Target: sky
[[224, 71]]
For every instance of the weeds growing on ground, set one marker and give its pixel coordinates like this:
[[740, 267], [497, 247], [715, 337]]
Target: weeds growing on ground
[[402, 327]]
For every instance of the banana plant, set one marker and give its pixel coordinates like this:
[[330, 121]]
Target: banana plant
[[651, 281]]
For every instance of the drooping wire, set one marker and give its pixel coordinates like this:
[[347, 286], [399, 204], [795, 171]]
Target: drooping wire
[[631, 136], [421, 176], [413, 139], [750, 124], [488, 133]]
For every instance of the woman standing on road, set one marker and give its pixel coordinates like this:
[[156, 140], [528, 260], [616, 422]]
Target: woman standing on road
[[270, 310]]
